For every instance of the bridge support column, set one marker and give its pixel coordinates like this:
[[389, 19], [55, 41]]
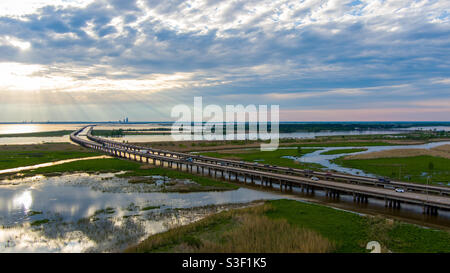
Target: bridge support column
[[430, 210]]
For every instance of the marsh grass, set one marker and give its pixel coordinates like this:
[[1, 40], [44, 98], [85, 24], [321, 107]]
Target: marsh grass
[[242, 230], [292, 226], [150, 208], [204, 183], [141, 180], [256, 233], [32, 213], [39, 222], [107, 210]]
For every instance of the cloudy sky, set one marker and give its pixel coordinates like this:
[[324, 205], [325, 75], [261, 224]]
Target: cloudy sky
[[319, 60]]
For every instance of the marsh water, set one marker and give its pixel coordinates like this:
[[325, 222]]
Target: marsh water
[[69, 212]]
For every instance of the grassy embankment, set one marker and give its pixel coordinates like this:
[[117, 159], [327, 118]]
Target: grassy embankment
[[409, 169], [343, 151], [291, 226], [266, 157], [27, 155]]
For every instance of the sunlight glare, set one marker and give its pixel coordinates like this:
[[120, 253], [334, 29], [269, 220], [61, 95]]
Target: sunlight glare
[[24, 200]]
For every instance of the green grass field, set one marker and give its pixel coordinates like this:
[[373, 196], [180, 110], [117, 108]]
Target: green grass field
[[13, 159], [321, 228], [410, 169], [266, 157], [343, 151]]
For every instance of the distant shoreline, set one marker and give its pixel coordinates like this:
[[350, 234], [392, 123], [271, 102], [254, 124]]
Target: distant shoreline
[[435, 123]]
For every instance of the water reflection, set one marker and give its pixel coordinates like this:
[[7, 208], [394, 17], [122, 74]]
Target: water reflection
[[23, 201], [76, 196], [82, 212]]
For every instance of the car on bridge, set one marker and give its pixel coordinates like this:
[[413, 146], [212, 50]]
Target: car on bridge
[[384, 180], [400, 190], [315, 178]]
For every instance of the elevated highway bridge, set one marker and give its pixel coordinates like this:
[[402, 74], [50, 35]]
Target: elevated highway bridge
[[431, 198]]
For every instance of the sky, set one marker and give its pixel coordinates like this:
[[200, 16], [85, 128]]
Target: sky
[[85, 60]]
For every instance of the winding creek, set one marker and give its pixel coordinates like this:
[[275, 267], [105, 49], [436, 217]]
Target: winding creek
[[325, 160]]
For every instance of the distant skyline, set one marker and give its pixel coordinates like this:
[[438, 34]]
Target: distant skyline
[[85, 60]]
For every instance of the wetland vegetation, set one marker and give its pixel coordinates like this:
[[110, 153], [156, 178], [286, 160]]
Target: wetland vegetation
[[416, 169], [266, 228]]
